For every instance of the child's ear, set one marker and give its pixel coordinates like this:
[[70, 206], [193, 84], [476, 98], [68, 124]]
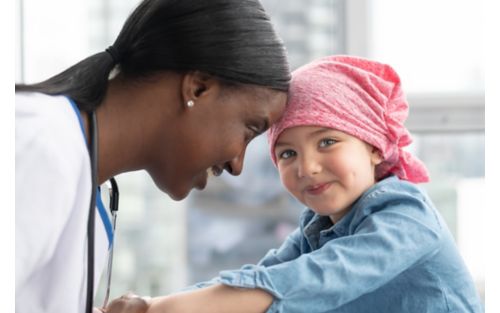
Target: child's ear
[[376, 156]]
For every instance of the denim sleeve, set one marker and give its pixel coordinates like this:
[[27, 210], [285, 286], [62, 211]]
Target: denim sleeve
[[382, 246], [289, 250]]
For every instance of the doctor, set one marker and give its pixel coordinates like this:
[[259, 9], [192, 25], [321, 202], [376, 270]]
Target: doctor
[[191, 83]]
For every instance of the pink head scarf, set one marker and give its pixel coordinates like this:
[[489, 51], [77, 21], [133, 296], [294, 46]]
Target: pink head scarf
[[360, 97]]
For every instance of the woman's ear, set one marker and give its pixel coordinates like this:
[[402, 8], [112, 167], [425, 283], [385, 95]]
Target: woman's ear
[[197, 86]]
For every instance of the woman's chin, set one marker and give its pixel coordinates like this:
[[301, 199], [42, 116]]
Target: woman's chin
[[179, 191], [176, 192], [178, 196]]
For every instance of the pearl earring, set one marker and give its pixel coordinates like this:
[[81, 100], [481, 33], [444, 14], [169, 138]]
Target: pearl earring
[[190, 103]]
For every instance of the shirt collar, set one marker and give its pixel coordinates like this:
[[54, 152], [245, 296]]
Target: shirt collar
[[314, 225]]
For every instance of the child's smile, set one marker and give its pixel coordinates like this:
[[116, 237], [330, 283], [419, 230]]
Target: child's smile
[[317, 189]]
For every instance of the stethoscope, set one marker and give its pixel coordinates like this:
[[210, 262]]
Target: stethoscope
[[114, 196]]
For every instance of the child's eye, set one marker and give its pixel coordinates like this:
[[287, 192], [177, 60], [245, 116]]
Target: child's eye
[[327, 142], [286, 154]]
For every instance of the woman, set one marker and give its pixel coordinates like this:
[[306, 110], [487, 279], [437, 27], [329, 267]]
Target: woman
[[183, 89]]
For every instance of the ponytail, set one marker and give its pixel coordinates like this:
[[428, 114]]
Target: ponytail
[[232, 40], [85, 82]]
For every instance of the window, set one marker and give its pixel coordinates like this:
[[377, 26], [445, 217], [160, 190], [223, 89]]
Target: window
[[436, 48], [162, 245]]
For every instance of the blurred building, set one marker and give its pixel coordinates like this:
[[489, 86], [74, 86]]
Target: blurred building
[[310, 29]]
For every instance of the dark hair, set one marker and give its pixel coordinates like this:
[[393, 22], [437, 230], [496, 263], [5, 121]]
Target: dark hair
[[232, 40]]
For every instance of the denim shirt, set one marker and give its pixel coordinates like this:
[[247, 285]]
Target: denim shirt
[[392, 252]]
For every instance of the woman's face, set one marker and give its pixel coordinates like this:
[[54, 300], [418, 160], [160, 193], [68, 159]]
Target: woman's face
[[212, 136]]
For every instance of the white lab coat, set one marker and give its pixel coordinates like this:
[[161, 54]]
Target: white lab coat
[[53, 187]]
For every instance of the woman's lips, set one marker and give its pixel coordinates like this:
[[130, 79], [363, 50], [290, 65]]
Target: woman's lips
[[317, 189], [201, 181], [217, 170]]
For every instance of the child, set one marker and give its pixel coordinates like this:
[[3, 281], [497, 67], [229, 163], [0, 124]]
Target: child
[[369, 240]]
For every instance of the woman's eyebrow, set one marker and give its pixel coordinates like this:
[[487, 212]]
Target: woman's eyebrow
[[281, 143], [264, 125]]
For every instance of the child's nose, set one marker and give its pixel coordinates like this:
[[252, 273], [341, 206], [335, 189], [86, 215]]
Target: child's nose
[[308, 166]]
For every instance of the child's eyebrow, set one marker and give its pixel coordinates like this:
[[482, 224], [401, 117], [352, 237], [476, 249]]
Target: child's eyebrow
[[312, 134], [320, 131]]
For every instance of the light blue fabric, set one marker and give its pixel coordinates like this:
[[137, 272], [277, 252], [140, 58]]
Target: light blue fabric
[[391, 253]]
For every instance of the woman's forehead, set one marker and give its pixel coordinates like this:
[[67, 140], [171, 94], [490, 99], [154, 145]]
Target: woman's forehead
[[265, 103]]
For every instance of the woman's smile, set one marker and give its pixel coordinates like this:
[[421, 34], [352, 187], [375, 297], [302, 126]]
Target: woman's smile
[[202, 179]]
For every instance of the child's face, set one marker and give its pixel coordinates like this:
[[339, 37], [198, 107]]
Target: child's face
[[325, 169]]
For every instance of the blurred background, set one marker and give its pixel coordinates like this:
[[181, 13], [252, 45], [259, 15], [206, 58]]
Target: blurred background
[[435, 45]]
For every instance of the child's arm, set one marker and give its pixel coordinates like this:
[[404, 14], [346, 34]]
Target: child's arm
[[383, 245], [211, 292], [217, 299], [289, 250]]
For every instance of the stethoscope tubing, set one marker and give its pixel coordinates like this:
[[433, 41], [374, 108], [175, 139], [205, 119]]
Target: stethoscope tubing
[[93, 152], [114, 199]]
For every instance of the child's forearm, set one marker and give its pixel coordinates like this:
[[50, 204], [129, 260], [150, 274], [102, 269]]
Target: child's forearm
[[216, 299]]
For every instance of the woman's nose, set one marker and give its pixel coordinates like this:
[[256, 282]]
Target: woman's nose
[[235, 166]]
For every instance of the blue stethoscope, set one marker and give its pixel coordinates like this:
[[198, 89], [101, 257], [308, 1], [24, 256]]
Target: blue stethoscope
[[114, 196]]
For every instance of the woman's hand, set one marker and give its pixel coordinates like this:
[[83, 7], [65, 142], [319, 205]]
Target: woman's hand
[[128, 303]]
